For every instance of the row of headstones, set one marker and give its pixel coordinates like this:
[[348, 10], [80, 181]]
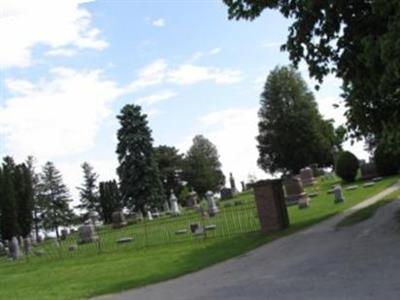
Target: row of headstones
[[12, 248]]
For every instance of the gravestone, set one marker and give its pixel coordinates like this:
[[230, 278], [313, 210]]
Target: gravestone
[[87, 234], [233, 184], [175, 211], [243, 186], [307, 176], [192, 199], [338, 193], [64, 234], [93, 217], [226, 193], [368, 171], [149, 216], [14, 250], [194, 227], [27, 244], [294, 191], [118, 219], [166, 206], [271, 206], [212, 207]]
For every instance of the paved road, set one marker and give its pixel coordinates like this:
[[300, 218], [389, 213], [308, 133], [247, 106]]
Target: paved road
[[361, 262]]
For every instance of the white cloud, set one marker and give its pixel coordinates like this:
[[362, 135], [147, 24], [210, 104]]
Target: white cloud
[[156, 97], [214, 51], [56, 117], [62, 52], [159, 22], [56, 24], [189, 74], [152, 74]]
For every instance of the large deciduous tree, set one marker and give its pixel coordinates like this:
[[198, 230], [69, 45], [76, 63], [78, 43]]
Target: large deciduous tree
[[55, 199], [356, 40], [292, 133], [88, 192], [202, 168], [139, 176]]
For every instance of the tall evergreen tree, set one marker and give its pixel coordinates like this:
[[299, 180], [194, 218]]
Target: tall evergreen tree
[[88, 192], [24, 199], [30, 164], [202, 168], [54, 197], [139, 176], [110, 199], [9, 220], [292, 133]]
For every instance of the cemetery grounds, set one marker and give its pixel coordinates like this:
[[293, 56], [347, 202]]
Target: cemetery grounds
[[160, 249]]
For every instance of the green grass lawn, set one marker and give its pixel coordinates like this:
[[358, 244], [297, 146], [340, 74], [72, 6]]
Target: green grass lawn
[[81, 277]]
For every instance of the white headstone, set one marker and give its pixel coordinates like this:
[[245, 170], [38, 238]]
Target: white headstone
[[15, 252], [337, 190], [212, 207], [149, 215], [174, 205], [166, 206]]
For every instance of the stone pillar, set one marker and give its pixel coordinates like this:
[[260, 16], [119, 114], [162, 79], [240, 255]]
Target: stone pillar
[[212, 207], [192, 199], [271, 206], [149, 216], [166, 206], [27, 245]]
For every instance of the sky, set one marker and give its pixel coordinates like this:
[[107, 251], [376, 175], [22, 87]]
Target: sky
[[67, 67]]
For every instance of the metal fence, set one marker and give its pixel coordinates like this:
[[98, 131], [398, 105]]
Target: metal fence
[[233, 218]]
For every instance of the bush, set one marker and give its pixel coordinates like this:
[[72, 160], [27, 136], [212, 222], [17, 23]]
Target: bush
[[347, 166], [387, 161]]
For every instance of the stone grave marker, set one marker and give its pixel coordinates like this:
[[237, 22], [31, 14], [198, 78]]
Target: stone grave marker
[[338, 193], [226, 193], [14, 250], [64, 234], [233, 184], [295, 191], [149, 215], [27, 244], [212, 206], [118, 219], [166, 207], [368, 184], [307, 176], [175, 211], [352, 187], [192, 199], [87, 234]]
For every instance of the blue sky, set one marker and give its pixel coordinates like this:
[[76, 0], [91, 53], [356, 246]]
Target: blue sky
[[68, 67]]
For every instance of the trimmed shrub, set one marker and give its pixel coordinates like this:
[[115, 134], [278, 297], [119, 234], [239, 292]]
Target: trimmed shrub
[[347, 166]]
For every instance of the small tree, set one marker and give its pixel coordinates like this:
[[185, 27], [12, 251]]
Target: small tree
[[292, 133], [169, 162], [55, 199], [347, 166], [139, 176], [88, 192], [202, 168], [110, 199]]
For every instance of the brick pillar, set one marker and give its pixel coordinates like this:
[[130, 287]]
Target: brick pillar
[[271, 206]]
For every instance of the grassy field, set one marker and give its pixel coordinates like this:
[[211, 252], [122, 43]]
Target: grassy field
[[81, 277]]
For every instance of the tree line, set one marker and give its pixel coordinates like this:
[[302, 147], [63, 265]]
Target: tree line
[[31, 201]]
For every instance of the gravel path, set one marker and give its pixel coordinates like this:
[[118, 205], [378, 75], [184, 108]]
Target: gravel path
[[359, 262]]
